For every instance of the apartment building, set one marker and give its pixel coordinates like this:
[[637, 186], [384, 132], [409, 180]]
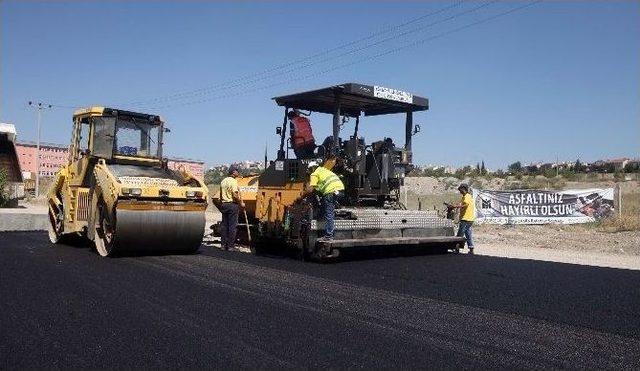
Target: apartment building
[[54, 156]]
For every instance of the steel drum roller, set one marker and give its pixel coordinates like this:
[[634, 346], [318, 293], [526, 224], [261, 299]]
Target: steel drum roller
[[158, 230]]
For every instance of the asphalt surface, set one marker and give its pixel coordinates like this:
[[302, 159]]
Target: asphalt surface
[[65, 307]]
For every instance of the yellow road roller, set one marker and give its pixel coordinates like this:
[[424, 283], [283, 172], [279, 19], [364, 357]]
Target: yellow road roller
[[117, 190]]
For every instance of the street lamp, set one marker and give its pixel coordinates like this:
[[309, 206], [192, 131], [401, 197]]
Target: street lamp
[[39, 107]]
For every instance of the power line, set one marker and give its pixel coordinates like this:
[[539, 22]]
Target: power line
[[54, 105], [346, 53], [303, 59], [362, 60]]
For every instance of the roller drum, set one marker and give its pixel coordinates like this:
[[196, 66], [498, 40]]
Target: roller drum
[[158, 230]]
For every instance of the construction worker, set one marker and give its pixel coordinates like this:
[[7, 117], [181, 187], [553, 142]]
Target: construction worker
[[231, 202], [301, 134], [329, 186], [467, 215]]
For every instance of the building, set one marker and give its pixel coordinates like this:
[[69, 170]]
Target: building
[[194, 167], [54, 156], [611, 165]]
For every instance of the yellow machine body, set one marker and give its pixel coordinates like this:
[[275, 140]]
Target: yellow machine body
[[124, 198]]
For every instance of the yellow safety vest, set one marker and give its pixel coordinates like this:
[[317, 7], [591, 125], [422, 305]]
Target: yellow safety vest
[[325, 181]]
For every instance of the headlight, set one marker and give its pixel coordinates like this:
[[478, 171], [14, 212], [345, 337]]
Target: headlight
[[193, 194], [131, 191]]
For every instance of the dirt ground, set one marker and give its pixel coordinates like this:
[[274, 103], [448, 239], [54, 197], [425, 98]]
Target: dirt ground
[[557, 237], [617, 236]]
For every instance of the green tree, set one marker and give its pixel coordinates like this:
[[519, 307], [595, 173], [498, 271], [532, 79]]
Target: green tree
[[463, 172], [568, 174], [549, 172], [483, 169], [632, 167], [214, 176], [579, 167], [516, 167]]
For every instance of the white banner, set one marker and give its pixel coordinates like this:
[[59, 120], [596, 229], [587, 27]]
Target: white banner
[[542, 206]]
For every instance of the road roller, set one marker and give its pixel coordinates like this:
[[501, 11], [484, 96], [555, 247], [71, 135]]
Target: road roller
[[117, 190], [371, 214]]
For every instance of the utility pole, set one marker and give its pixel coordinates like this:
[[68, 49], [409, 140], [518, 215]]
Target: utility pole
[[39, 107]]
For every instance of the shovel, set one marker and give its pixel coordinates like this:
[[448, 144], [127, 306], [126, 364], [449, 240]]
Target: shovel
[[246, 221]]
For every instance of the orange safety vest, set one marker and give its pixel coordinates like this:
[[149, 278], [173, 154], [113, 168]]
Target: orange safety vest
[[302, 133]]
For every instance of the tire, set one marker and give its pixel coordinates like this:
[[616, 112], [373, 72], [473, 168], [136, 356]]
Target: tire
[[306, 244], [55, 227], [103, 231]]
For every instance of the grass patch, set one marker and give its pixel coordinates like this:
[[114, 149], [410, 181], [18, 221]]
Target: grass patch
[[628, 221]]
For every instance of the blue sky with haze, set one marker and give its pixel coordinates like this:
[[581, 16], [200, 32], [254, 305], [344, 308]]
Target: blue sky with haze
[[557, 79]]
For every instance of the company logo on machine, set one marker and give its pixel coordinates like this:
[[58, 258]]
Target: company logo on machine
[[141, 181], [364, 89], [392, 94], [248, 189]]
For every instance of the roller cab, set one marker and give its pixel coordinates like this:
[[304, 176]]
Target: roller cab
[[118, 191]]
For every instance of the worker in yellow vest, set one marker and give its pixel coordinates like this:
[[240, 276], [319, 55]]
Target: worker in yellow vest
[[329, 186]]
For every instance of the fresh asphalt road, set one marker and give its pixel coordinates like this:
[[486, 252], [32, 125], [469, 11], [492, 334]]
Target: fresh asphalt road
[[65, 307]]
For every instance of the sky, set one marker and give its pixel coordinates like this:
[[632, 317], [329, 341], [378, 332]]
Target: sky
[[552, 80]]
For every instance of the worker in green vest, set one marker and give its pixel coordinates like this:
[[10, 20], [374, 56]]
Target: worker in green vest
[[329, 186]]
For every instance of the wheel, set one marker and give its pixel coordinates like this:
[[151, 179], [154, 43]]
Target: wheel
[[306, 243], [103, 231], [56, 225]]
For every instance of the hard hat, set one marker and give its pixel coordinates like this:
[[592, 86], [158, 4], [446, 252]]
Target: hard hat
[[312, 164]]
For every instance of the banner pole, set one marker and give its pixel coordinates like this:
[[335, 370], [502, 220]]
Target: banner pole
[[619, 200]]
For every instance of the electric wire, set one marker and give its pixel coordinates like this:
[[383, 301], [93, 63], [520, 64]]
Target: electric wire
[[328, 59], [373, 35], [176, 102], [358, 61]]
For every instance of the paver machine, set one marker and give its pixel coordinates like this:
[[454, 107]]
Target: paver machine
[[118, 191], [371, 215]]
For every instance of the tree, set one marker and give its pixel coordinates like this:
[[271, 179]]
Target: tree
[[516, 167], [483, 169], [579, 167], [214, 176], [549, 173], [632, 167], [462, 173]]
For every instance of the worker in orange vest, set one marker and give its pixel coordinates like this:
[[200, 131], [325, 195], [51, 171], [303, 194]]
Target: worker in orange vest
[[301, 134]]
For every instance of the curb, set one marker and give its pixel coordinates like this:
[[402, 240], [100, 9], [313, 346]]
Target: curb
[[23, 222]]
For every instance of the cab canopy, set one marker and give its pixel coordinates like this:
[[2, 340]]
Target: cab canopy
[[354, 99]]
